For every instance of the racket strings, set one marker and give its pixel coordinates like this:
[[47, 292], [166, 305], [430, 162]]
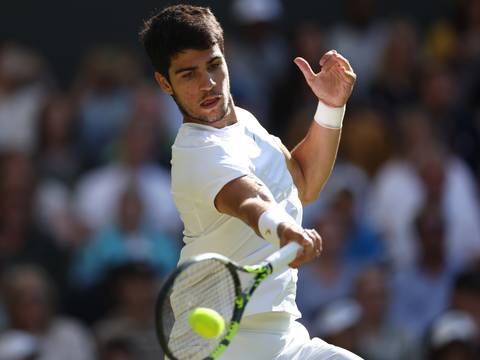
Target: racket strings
[[208, 284]]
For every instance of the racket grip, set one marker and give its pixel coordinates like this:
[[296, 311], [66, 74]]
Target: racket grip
[[284, 256]]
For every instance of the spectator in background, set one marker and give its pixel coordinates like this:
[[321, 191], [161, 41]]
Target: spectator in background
[[361, 39], [57, 156], [377, 338], [462, 213], [422, 291], [366, 141], [98, 192], [424, 169], [131, 310], [453, 337], [57, 165], [104, 94], [22, 238], [346, 176], [127, 240], [23, 87], [158, 108], [30, 303], [363, 245], [257, 57], [452, 119], [292, 115], [394, 84]]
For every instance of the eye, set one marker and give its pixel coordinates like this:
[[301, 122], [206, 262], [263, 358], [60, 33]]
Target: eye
[[215, 65], [187, 75]]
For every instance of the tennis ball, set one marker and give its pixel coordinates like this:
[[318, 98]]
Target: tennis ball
[[206, 322]]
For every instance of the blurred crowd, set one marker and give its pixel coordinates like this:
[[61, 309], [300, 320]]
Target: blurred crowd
[[88, 228]]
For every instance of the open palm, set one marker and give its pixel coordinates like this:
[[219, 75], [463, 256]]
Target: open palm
[[333, 85]]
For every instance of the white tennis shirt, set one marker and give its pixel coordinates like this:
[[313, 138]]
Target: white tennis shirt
[[204, 159]]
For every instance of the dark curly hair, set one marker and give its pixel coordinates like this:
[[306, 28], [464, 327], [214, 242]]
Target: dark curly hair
[[177, 28]]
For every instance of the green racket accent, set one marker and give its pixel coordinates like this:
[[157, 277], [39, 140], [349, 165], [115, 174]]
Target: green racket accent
[[261, 272], [241, 301], [231, 332], [254, 269]]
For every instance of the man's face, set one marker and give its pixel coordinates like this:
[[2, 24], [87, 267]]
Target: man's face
[[200, 85]]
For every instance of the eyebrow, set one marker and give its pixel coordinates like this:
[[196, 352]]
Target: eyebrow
[[191, 68], [178, 71]]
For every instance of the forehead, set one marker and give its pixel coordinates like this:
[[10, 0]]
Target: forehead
[[192, 57]]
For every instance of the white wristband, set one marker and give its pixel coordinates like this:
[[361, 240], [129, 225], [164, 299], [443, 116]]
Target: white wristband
[[329, 116], [268, 224]]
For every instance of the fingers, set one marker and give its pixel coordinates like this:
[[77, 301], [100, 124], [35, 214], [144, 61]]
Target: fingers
[[327, 56], [309, 239], [350, 74], [334, 56], [344, 62], [312, 247], [305, 68], [328, 64], [334, 65], [328, 61], [317, 241], [342, 72]]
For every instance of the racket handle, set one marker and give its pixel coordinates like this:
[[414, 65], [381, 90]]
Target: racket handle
[[284, 256]]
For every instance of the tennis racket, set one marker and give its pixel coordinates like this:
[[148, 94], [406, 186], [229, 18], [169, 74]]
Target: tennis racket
[[211, 281]]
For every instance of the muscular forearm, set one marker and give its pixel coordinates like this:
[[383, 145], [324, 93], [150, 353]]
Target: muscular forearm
[[250, 210], [315, 156], [245, 199]]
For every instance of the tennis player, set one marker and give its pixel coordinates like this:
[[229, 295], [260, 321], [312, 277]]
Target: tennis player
[[239, 191]]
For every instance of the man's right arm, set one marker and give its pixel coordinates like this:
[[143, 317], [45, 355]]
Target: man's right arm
[[247, 198]]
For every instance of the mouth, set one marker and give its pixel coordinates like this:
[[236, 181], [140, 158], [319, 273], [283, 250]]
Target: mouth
[[210, 102]]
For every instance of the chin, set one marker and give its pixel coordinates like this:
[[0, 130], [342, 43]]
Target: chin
[[220, 115], [215, 120]]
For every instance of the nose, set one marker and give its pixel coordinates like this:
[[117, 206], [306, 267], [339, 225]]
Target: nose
[[207, 83]]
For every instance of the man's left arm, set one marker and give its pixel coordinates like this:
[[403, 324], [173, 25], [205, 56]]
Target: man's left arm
[[313, 158]]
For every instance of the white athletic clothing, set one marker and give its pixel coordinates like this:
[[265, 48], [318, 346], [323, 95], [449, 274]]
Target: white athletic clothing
[[277, 336], [204, 159]]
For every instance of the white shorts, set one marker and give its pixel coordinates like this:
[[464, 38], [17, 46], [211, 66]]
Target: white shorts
[[275, 336]]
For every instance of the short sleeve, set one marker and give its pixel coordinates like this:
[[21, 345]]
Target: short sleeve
[[200, 173]]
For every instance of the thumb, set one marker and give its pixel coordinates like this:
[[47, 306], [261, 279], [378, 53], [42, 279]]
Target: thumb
[[305, 68]]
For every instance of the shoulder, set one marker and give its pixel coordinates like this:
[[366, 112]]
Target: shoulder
[[245, 115], [249, 120], [190, 136]]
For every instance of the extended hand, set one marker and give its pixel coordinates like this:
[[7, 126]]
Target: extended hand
[[334, 83], [308, 238]]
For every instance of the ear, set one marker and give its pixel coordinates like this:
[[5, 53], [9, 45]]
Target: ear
[[163, 82]]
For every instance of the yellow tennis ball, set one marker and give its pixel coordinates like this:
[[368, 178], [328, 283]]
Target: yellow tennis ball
[[206, 322]]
